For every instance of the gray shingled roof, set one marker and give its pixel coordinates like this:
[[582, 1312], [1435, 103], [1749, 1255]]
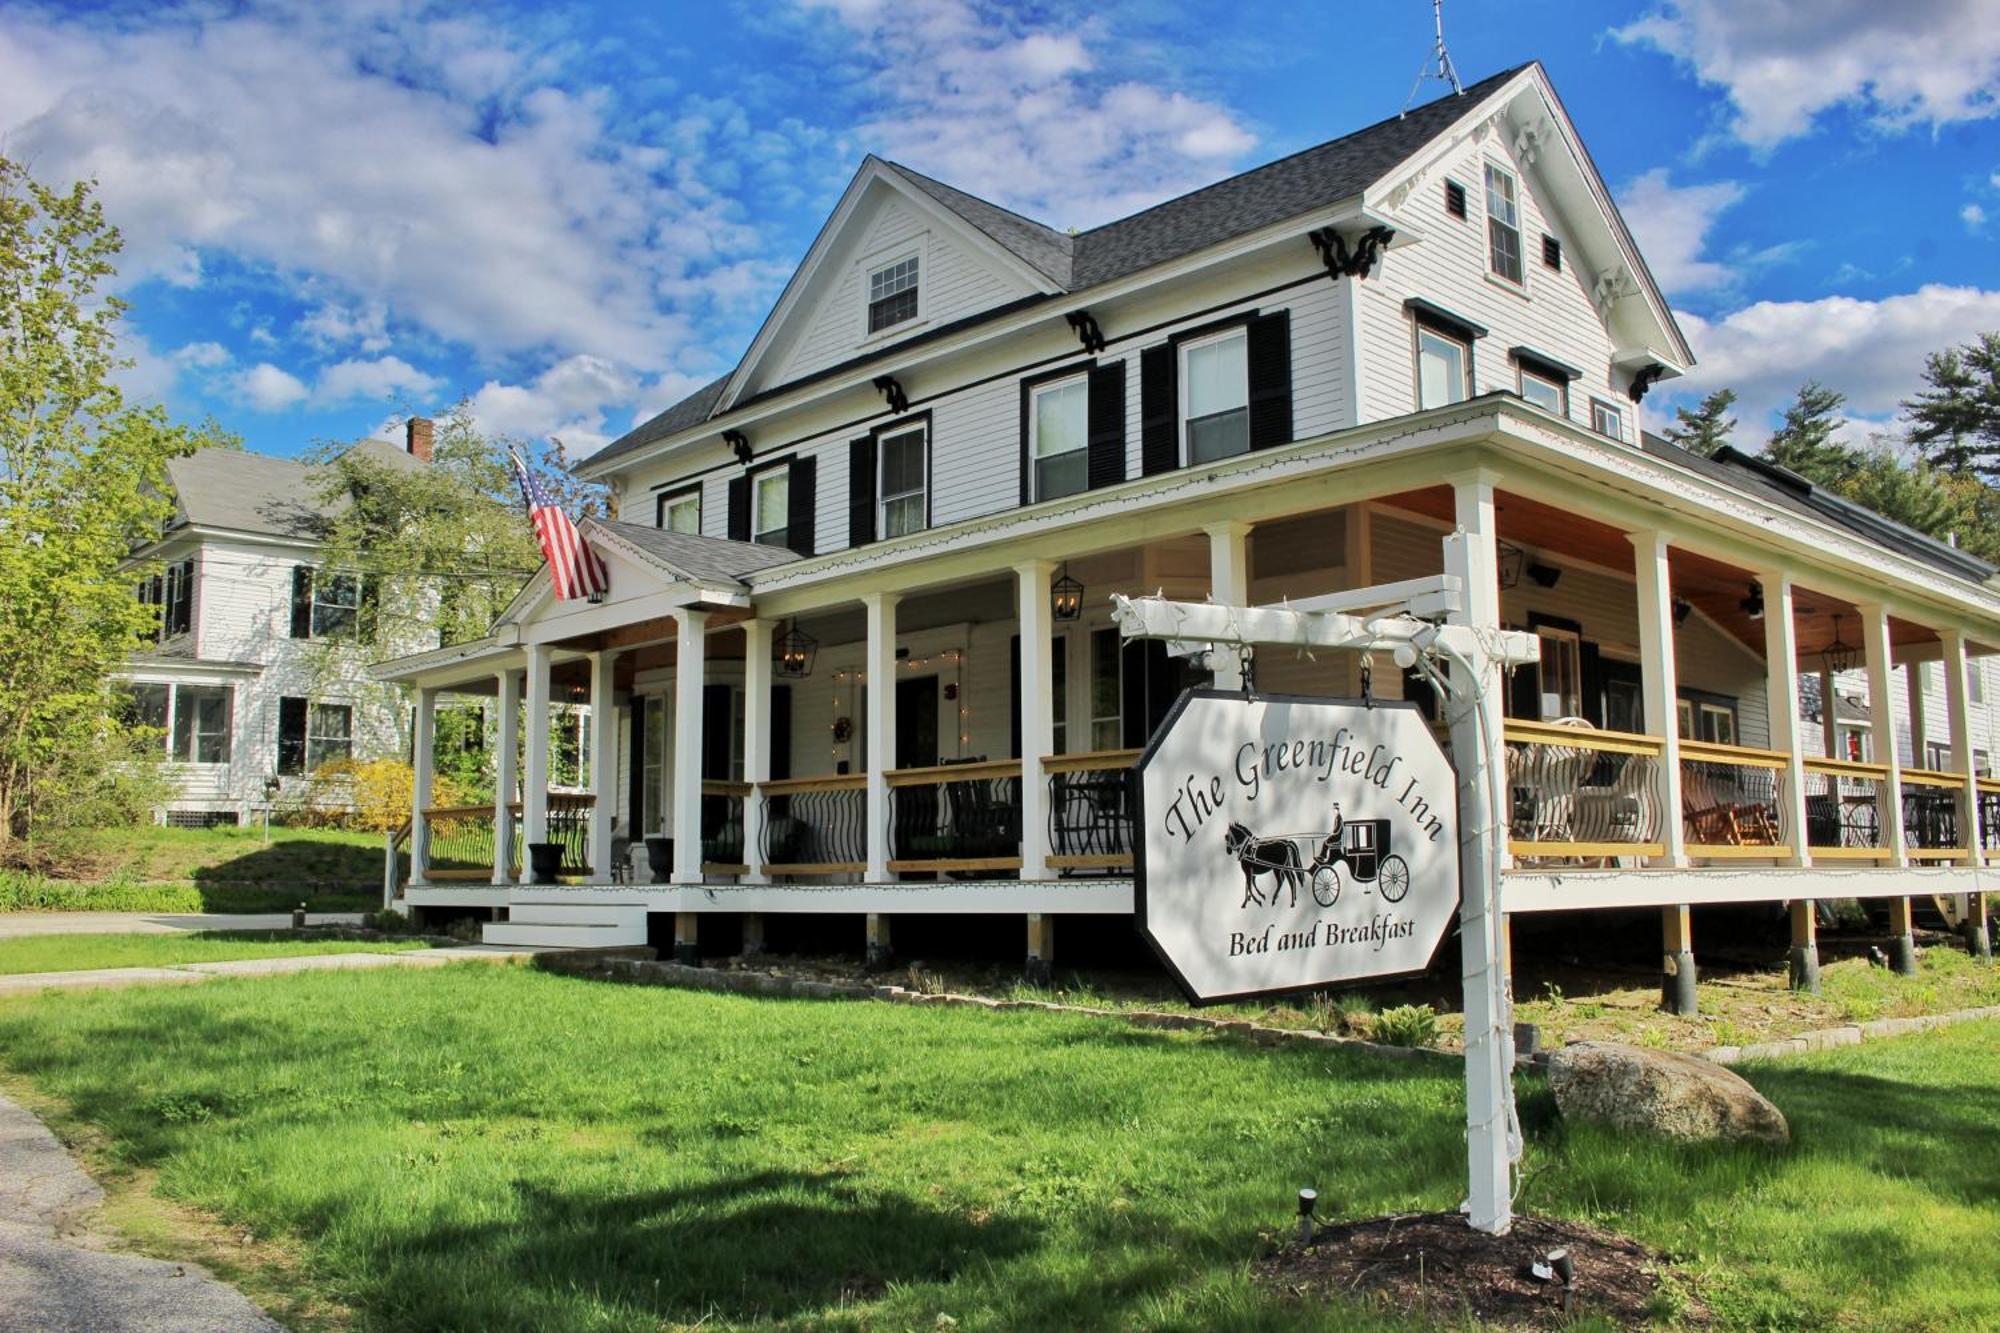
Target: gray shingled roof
[[257, 493], [709, 559], [1287, 188]]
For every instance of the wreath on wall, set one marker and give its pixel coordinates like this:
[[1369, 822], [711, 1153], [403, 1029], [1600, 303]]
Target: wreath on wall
[[843, 729]]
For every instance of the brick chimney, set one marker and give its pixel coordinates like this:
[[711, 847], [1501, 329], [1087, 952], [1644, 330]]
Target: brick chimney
[[421, 432]]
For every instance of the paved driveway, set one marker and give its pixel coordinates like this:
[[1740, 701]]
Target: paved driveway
[[55, 1275], [157, 923]]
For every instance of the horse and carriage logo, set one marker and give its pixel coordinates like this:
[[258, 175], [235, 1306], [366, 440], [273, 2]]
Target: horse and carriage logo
[[1363, 846]]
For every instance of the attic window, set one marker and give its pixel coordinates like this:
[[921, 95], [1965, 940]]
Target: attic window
[[1503, 223], [892, 294], [1552, 252], [1454, 199]]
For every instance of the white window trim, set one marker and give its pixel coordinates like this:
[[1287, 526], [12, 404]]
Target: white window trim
[[1560, 385], [869, 265], [1417, 331], [1181, 377], [1595, 404], [669, 501], [882, 497], [1035, 430], [1519, 284], [758, 482]]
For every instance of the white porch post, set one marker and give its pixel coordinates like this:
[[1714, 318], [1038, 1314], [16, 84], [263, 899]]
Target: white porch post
[[690, 669], [1877, 651], [423, 760], [1829, 714], [1479, 747], [756, 744], [1038, 735], [1959, 703], [1920, 729], [1781, 685], [505, 776], [1228, 585], [881, 668], [535, 775], [1661, 679], [603, 762]]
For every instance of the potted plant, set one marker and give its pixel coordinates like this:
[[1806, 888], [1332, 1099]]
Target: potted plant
[[544, 862], [660, 858]]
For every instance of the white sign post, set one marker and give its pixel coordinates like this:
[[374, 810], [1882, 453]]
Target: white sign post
[[1294, 843], [1460, 660]]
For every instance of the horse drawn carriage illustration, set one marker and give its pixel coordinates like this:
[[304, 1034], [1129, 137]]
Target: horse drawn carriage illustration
[[1363, 846]]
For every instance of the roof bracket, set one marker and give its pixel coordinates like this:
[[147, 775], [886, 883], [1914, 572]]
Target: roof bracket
[[1356, 263], [1647, 376], [892, 393], [1085, 326], [739, 444]]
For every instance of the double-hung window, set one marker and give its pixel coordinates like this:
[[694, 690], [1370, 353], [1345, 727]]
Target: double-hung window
[[1544, 391], [329, 735], [905, 481], [1606, 419], [1058, 428], [892, 294], [1443, 363], [771, 507], [680, 511], [1503, 223], [1215, 396], [1561, 670]]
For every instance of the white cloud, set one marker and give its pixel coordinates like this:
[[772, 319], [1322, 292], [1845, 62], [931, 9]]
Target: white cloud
[[1026, 113], [1872, 351], [201, 355], [268, 388], [1783, 62], [569, 400], [1671, 225], [1973, 216], [385, 377]]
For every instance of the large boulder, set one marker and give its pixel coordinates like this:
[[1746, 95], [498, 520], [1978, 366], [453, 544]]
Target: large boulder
[[1660, 1092]]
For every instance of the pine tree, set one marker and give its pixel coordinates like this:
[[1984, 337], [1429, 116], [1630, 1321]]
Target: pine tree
[[1805, 443], [1705, 429], [1955, 420]]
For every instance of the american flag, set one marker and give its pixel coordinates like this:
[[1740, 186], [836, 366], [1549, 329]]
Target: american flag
[[576, 570]]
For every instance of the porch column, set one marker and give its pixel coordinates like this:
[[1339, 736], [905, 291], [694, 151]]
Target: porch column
[[506, 777], [1489, 1020], [756, 747], [1959, 710], [603, 763], [1660, 681], [1875, 652], [880, 664], [1920, 729], [1829, 714], [1781, 686], [423, 763], [535, 778], [1038, 732], [690, 668], [1228, 585]]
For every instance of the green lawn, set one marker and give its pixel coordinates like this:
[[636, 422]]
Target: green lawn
[[72, 953], [498, 1148], [156, 869]]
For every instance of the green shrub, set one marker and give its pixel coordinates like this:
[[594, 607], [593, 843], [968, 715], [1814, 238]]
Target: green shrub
[[1407, 1025]]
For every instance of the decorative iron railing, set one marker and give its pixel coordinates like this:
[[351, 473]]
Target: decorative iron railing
[[1989, 817], [816, 826], [1933, 815], [1730, 799], [459, 842], [722, 830], [1092, 809], [1580, 793], [1844, 805], [956, 818]]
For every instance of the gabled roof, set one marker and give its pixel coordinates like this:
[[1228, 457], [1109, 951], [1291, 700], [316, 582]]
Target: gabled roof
[[240, 491], [690, 557], [1035, 244]]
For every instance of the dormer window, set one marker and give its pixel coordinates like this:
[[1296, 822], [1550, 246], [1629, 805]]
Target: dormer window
[[1503, 223], [892, 294]]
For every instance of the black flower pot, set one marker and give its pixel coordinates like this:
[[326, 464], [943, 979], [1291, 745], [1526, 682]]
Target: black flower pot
[[660, 858], [544, 862]]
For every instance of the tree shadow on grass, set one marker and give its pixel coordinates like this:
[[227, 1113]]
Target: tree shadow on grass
[[764, 1245]]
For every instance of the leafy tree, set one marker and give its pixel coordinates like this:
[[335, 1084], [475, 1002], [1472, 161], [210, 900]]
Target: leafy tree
[[1704, 429], [80, 489], [1805, 443], [1955, 420]]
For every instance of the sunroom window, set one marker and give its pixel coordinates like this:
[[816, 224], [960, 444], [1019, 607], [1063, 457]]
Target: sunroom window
[[1058, 423], [892, 294], [904, 483], [1503, 223], [1215, 396]]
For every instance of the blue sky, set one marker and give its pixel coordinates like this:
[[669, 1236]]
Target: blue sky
[[571, 215]]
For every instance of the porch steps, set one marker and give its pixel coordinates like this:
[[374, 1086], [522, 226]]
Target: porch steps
[[569, 925]]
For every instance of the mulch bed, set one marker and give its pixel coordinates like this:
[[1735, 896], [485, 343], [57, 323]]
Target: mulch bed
[[1435, 1266]]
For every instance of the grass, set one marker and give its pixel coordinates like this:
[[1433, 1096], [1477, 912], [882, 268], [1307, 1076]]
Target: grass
[[498, 1148], [73, 953], [158, 869]]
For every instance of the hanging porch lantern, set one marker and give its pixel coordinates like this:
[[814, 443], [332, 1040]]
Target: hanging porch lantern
[[1066, 597], [1838, 656], [1511, 558], [793, 652]]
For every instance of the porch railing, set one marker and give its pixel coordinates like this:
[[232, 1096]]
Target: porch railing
[[956, 818], [1730, 798], [1933, 827], [1844, 805], [1580, 792], [1989, 818], [460, 842], [722, 831], [1091, 810], [816, 826]]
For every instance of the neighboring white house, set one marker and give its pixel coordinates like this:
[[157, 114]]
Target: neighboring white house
[[858, 652], [241, 680]]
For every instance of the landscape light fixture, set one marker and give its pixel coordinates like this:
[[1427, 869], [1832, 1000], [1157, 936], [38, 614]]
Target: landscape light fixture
[[1307, 1198], [1511, 559], [1838, 656], [1066, 597], [794, 652], [1753, 605]]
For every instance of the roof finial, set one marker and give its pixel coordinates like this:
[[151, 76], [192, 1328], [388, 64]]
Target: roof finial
[[1445, 71]]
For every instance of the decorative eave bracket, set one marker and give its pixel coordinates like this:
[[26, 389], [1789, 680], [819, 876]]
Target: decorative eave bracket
[[1084, 324], [739, 444], [1645, 378], [892, 393], [1358, 262]]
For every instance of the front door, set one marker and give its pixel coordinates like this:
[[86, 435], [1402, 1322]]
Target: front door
[[917, 722]]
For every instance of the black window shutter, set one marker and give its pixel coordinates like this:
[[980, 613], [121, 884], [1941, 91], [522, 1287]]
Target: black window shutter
[[1590, 668], [861, 491], [1014, 700], [781, 732], [1027, 459], [1107, 425], [302, 601], [1159, 411], [1524, 693], [635, 769], [180, 598], [1132, 667], [369, 616], [802, 494], [715, 726], [739, 509], [1269, 358], [291, 735]]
